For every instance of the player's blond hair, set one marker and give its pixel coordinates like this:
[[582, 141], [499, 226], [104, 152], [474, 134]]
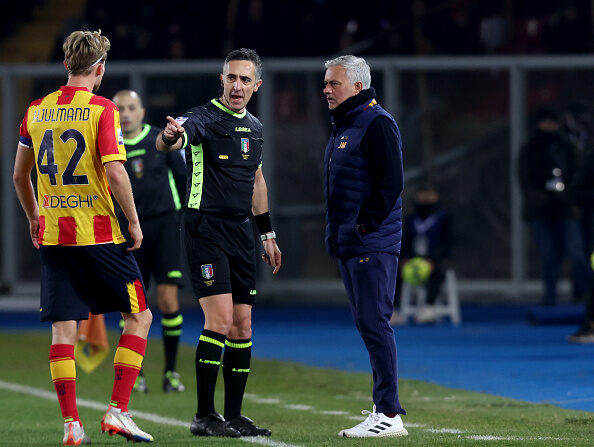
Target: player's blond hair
[[83, 50]]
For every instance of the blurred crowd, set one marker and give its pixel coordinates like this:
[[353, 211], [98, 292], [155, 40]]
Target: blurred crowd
[[158, 30]]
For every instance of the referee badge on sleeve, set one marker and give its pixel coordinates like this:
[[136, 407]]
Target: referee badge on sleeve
[[207, 273]]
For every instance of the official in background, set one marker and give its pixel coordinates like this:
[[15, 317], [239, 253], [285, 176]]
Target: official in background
[[364, 181], [225, 185], [547, 169], [156, 179]]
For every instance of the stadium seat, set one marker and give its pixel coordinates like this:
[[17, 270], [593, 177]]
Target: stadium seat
[[447, 304]]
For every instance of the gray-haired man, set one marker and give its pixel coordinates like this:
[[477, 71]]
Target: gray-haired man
[[364, 180]]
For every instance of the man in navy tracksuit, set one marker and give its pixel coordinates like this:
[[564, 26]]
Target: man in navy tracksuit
[[364, 181]]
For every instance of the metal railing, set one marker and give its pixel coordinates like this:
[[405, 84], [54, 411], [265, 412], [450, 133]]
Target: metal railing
[[392, 70]]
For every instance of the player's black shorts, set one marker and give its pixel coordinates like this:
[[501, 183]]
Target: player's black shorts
[[100, 278], [160, 252], [221, 256]]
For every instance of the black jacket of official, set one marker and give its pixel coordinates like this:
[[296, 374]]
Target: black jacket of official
[[546, 160]]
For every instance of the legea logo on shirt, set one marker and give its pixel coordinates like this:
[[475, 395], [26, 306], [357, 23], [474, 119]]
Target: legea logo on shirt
[[120, 136]]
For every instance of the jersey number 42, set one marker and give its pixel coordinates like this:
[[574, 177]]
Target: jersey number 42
[[51, 168]]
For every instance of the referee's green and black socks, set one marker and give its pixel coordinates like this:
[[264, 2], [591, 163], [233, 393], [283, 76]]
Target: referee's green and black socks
[[172, 329], [236, 367], [208, 360]]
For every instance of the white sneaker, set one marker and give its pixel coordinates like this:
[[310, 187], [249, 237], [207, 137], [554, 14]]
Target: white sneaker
[[425, 315], [376, 425], [74, 434], [115, 422]]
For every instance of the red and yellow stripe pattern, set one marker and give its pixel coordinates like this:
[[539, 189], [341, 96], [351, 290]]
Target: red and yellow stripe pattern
[[128, 358], [137, 297], [63, 369]]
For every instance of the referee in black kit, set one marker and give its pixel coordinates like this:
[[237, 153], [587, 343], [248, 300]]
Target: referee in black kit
[[225, 183]]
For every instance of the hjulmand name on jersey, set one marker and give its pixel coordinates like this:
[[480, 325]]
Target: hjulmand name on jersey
[[62, 114]]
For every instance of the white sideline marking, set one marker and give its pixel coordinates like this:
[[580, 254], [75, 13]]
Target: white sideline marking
[[424, 427], [453, 431], [492, 438], [356, 418], [261, 400], [333, 412], [37, 392], [513, 438], [266, 441], [257, 440], [298, 407]]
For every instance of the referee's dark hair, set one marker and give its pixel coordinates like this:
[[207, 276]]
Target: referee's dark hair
[[245, 54]]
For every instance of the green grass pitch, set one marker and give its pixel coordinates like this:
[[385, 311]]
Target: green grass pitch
[[303, 406]]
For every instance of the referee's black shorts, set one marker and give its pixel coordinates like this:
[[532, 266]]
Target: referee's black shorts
[[221, 256]]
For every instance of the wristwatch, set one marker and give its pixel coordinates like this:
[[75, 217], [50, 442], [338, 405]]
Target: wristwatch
[[269, 235]]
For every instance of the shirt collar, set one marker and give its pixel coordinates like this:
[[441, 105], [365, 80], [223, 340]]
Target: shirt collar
[[339, 113], [70, 88]]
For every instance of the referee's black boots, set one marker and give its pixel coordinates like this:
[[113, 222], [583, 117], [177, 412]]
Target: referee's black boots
[[246, 427], [212, 425]]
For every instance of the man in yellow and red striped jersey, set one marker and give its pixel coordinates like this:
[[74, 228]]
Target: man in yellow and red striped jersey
[[74, 140]]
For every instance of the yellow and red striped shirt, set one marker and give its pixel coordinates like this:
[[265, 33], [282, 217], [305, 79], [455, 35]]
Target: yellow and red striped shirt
[[73, 133]]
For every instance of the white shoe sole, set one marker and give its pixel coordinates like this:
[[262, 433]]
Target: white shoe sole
[[391, 434]]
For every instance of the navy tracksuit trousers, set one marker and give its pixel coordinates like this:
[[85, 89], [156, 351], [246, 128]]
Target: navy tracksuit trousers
[[370, 282]]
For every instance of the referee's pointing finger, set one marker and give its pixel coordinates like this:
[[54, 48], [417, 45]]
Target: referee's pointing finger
[[174, 124]]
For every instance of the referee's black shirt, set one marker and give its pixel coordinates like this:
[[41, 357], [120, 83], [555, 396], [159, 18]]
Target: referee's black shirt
[[224, 153]]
